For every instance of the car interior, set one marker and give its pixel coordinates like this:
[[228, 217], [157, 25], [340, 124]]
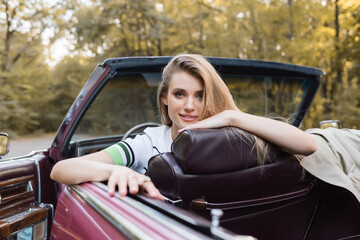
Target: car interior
[[257, 199]]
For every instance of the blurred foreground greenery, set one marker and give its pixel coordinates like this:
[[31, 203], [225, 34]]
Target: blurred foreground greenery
[[35, 96]]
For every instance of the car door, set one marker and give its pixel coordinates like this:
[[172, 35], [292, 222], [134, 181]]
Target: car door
[[27, 197]]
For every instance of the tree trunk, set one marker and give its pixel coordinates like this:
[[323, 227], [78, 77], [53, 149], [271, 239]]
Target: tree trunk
[[7, 39], [290, 23], [337, 43]]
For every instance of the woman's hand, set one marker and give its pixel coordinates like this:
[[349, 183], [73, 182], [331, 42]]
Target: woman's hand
[[98, 167], [129, 180]]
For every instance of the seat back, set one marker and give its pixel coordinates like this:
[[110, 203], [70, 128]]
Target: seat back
[[218, 168], [221, 165]]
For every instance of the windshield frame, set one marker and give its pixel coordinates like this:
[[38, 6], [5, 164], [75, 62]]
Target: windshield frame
[[115, 66]]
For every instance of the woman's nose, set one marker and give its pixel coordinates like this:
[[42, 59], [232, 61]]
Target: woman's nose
[[189, 105]]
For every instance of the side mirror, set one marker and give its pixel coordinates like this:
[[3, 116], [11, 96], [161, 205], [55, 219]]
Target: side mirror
[[4, 144], [330, 123]]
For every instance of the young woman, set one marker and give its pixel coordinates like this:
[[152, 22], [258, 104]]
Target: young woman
[[191, 95]]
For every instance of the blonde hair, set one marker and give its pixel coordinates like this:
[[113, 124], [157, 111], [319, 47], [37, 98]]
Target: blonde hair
[[261, 147], [216, 95]]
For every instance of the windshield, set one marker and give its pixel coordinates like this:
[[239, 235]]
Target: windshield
[[129, 99]]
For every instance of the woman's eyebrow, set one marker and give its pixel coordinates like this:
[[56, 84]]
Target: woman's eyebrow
[[183, 90], [177, 89]]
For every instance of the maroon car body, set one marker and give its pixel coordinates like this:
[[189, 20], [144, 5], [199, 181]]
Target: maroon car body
[[275, 201]]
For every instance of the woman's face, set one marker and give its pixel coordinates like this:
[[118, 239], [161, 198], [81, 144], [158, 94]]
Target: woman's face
[[184, 100]]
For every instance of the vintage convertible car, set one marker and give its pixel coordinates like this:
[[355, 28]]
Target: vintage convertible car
[[214, 186]]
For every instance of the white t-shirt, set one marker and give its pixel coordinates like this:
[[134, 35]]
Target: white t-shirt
[[135, 153]]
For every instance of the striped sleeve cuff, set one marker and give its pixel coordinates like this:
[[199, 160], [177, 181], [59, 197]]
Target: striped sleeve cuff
[[121, 154]]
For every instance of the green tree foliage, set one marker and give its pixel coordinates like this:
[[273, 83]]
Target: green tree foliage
[[347, 105], [118, 28], [23, 72], [67, 79], [316, 33]]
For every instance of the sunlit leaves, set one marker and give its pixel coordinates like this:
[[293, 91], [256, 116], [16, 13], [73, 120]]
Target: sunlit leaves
[[292, 31]]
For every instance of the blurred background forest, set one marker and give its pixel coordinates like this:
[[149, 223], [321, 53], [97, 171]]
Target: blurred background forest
[[48, 49]]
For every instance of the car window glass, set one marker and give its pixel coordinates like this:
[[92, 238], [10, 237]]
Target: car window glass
[[126, 100], [129, 99], [267, 95]]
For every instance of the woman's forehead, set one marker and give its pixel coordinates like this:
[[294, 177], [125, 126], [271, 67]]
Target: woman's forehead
[[185, 80]]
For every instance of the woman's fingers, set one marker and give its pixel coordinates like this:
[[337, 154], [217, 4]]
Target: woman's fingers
[[131, 181], [133, 184], [112, 182], [152, 191], [122, 184], [119, 177], [111, 187]]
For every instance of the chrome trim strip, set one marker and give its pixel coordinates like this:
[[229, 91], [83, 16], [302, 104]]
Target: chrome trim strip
[[130, 230], [48, 225], [38, 178], [159, 217], [217, 232], [29, 187], [28, 155], [221, 233], [49, 206]]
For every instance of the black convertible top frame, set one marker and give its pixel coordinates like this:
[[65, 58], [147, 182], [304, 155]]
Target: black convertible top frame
[[233, 66], [113, 66]]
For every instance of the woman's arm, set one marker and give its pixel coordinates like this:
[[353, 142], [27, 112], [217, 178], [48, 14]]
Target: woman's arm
[[289, 138], [99, 167], [92, 167]]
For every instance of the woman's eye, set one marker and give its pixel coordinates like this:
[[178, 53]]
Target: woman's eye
[[200, 96], [179, 94]]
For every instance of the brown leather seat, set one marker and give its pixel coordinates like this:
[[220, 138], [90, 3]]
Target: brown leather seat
[[219, 165], [270, 201]]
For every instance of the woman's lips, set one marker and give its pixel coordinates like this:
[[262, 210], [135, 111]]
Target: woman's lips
[[187, 117]]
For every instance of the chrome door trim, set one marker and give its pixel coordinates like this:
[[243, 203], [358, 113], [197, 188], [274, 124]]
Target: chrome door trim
[[182, 230], [173, 225], [130, 230]]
